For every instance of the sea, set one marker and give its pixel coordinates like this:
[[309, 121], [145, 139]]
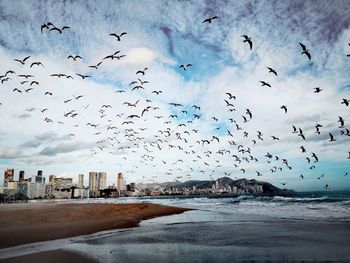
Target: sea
[[306, 227], [326, 206]]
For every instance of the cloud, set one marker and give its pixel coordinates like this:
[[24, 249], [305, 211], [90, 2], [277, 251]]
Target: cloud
[[10, 153], [23, 116], [64, 148], [139, 56], [162, 37]]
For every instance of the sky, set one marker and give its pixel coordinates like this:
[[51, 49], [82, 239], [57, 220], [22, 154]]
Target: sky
[[168, 142]]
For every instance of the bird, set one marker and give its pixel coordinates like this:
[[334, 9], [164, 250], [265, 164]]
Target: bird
[[345, 102], [284, 107], [127, 122], [43, 26], [302, 149], [74, 57], [196, 107], [271, 70], [66, 101], [36, 63], [248, 40], [264, 83], [6, 79], [175, 104], [83, 76], [118, 36], [18, 90], [27, 90], [341, 121], [96, 66], [119, 91], [112, 56], [209, 19], [331, 137], [317, 90], [34, 82], [157, 92], [143, 81], [228, 104], [48, 93], [137, 87], [130, 104], [132, 116], [59, 30], [301, 134], [184, 67], [141, 71], [230, 96], [305, 50], [22, 61], [26, 76], [314, 156], [78, 97]]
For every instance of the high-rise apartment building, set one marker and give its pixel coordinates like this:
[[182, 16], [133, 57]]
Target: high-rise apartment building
[[97, 181], [81, 181], [21, 176], [8, 176], [39, 178], [121, 184]]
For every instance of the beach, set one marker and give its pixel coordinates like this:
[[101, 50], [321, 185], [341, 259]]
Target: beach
[[34, 222], [241, 229]]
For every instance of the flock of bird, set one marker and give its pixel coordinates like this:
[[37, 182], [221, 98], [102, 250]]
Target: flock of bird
[[178, 132]]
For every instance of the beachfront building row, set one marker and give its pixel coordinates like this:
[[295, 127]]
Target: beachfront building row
[[61, 187]]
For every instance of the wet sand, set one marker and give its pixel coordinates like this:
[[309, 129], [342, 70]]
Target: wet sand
[[34, 222], [54, 256]]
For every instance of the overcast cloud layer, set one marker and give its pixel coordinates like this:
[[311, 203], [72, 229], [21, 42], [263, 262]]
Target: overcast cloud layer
[[162, 35]]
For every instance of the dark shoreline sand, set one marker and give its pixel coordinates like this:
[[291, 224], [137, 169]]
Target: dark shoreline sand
[[34, 222], [53, 256]]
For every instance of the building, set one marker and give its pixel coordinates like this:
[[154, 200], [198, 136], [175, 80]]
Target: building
[[59, 187], [81, 181], [21, 176], [8, 176], [130, 187], [39, 178], [121, 184], [52, 178], [97, 181], [35, 190]]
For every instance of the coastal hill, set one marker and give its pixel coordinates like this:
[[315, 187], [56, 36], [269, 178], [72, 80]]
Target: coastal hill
[[223, 185]]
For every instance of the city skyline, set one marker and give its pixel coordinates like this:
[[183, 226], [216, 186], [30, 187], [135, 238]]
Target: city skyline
[[139, 111]]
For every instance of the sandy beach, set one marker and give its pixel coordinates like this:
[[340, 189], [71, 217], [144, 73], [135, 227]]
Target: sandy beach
[[34, 222]]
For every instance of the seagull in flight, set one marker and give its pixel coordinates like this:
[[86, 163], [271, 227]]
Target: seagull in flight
[[118, 36], [284, 107], [83, 76], [184, 67], [209, 19], [271, 70], [22, 61], [264, 83], [248, 40], [305, 50], [74, 57], [331, 137], [317, 90]]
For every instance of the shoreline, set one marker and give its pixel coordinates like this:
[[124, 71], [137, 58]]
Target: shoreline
[[35, 222]]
